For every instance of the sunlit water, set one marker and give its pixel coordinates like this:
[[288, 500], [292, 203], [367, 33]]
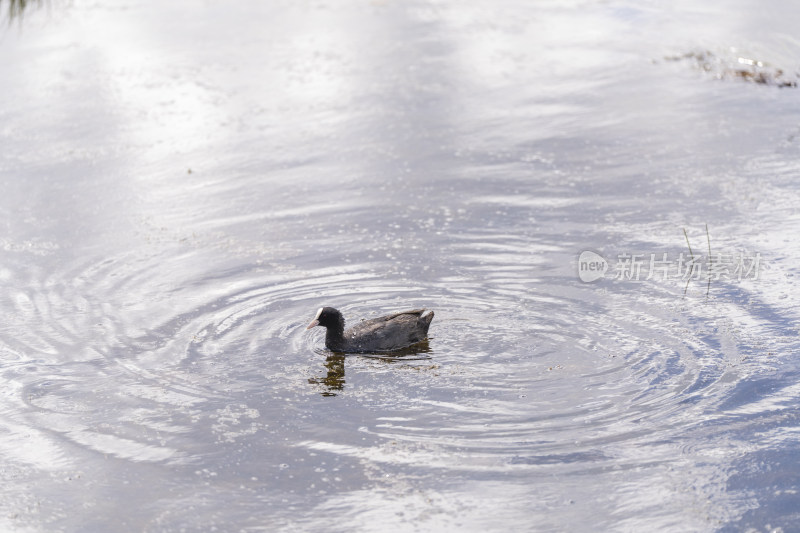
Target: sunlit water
[[185, 184]]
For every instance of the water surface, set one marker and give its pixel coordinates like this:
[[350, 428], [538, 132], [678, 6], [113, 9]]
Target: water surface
[[185, 184]]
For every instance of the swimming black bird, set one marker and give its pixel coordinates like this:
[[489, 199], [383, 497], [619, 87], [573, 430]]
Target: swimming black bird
[[383, 334]]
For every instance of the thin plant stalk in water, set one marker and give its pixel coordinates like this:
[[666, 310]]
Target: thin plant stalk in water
[[708, 239]]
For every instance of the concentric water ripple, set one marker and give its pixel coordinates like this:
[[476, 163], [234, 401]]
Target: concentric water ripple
[[165, 359], [501, 343]]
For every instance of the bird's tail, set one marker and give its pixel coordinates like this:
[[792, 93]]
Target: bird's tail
[[425, 319]]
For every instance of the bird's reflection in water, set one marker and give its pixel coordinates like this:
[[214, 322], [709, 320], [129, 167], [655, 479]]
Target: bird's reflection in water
[[17, 7], [333, 382]]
